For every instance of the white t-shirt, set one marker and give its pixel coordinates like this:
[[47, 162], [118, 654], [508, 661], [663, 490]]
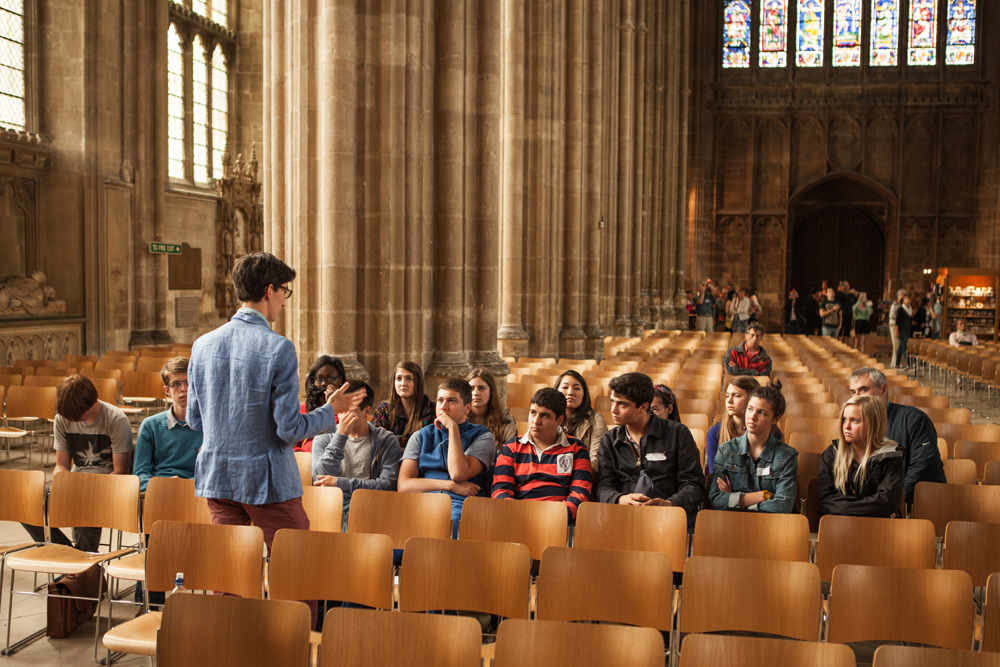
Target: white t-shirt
[[91, 446]]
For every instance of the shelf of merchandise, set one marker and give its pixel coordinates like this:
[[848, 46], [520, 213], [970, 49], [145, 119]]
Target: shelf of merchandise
[[970, 295]]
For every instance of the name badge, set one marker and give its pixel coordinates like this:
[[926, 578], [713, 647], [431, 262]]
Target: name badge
[[564, 464], [763, 472], [656, 456]]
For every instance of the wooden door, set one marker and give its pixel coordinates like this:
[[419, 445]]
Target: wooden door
[[839, 243]]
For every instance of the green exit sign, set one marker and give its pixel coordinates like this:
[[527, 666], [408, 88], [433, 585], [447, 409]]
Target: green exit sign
[[168, 248]]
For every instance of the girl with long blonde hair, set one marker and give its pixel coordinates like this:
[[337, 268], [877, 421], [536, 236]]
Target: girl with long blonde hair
[[861, 473]]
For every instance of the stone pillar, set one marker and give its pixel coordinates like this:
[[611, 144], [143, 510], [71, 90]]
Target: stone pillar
[[668, 276], [653, 249], [623, 254], [571, 339], [683, 104], [638, 193], [593, 217]]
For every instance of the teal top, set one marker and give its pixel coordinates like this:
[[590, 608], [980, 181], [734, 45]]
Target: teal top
[[862, 313]]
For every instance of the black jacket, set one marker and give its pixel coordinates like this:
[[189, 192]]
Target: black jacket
[[796, 305], [881, 494], [678, 476], [810, 310], [915, 433]]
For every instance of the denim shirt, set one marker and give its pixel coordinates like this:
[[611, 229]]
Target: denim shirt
[[243, 393], [779, 464]]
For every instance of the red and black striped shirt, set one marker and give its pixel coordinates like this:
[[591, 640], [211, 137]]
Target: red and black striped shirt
[[560, 473]]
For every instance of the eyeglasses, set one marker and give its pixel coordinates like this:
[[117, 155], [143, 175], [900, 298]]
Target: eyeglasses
[[324, 380], [288, 292], [178, 384]]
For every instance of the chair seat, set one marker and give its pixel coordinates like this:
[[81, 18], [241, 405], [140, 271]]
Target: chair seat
[[140, 399], [137, 637], [132, 568], [315, 637], [11, 432], [129, 410], [15, 547], [59, 559], [488, 652]]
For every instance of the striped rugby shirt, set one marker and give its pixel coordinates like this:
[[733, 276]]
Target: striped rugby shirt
[[560, 473]]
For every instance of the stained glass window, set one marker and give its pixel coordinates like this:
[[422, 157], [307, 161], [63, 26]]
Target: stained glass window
[[773, 33], [175, 104], [736, 34], [809, 36], [12, 64], [220, 111], [847, 33], [961, 49], [923, 32], [885, 33]]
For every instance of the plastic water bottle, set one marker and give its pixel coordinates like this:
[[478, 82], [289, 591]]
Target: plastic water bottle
[[179, 584]]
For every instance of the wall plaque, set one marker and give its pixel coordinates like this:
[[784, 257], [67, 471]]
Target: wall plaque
[[186, 311], [184, 270]]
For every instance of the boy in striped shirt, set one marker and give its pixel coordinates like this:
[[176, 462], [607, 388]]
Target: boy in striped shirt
[[545, 463]]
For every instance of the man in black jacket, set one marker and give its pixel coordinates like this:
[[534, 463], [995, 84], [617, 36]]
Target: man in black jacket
[[646, 460], [794, 317], [909, 426]]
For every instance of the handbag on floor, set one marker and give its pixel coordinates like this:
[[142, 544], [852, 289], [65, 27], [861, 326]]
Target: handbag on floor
[[64, 614]]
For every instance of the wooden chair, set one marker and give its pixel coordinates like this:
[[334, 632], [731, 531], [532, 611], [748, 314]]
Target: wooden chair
[[304, 462], [701, 406], [922, 402], [22, 500], [696, 420], [554, 644], [633, 528], [992, 477], [537, 525], [111, 355], [828, 427], [941, 503], [629, 587], [700, 650], [973, 548], [960, 471], [814, 443], [979, 452], [43, 381], [17, 370], [115, 365], [958, 416], [754, 535], [324, 505], [8, 380], [81, 359], [855, 540], [55, 372], [519, 395], [419, 640], [696, 394], [915, 656], [95, 374], [817, 410], [142, 387], [400, 515], [33, 363], [955, 432], [789, 591], [809, 463], [229, 631], [80, 499], [991, 616], [27, 405], [212, 557], [152, 364], [928, 606]]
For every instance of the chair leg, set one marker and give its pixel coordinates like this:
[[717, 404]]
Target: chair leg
[[11, 649]]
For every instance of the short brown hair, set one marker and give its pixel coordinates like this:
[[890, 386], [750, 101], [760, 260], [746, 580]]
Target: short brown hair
[[253, 273], [460, 386], [173, 366], [75, 396]]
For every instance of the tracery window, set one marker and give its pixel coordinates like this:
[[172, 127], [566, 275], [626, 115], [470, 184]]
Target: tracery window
[[961, 45], [923, 32], [847, 33], [12, 111], [773, 33], [809, 47], [736, 34], [885, 33]]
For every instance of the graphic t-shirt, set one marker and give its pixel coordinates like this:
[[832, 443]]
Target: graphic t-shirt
[[832, 319], [91, 446]]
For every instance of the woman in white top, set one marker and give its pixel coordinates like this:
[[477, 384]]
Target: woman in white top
[[755, 309], [741, 315]]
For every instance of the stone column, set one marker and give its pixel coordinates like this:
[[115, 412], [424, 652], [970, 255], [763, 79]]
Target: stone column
[[626, 65], [571, 339], [668, 276], [593, 217], [683, 103], [651, 264], [639, 162]]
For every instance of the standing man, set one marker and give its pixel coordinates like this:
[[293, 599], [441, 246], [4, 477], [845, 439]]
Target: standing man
[[794, 319], [830, 311], [704, 306], [244, 395], [847, 299]]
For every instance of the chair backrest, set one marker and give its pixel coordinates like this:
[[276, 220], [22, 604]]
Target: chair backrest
[[630, 587], [112, 355], [230, 631], [107, 389], [100, 374], [949, 415], [306, 564], [818, 410], [960, 471], [36, 402], [33, 363], [173, 499], [76, 366], [42, 381], [856, 540], [754, 535], [939, 402], [400, 515], [55, 372], [696, 406], [86, 499], [142, 384], [696, 420], [7, 380], [82, 358], [980, 452], [895, 604], [790, 592], [485, 577], [941, 503], [698, 650], [991, 615], [324, 505], [537, 525], [23, 497], [992, 476], [974, 548], [828, 427], [955, 432], [918, 656], [815, 443], [633, 528], [115, 364], [304, 461], [227, 559], [152, 364], [555, 644], [417, 640], [17, 370]]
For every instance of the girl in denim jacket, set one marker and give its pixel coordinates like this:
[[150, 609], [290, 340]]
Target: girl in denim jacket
[[756, 471]]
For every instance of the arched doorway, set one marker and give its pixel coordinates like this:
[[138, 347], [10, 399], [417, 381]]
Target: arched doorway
[[839, 242]]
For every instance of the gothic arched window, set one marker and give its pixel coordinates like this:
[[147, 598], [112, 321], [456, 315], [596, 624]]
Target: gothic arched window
[[923, 32], [809, 42], [736, 34], [12, 110], [961, 45], [885, 33], [773, 33], [846, 33]]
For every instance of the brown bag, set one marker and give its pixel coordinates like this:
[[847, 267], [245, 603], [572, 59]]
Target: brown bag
[[66, 615]]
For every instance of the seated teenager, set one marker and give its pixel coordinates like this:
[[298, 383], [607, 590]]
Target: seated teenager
[[544, 463], [732, 425], [326, 372], [486, 407], [749, 357], [665, 403], [756, 471], [646, 460], [452, 455], [408, 409], [359, 455], [166, 446], [583, 422], [861, 474]]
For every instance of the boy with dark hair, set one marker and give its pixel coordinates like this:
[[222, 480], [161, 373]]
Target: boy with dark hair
[[544, 463], [452, 455], [358, 455], [646, 460], [90, 436]]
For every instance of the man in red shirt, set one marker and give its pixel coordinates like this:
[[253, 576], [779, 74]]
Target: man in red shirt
[[748, 358]]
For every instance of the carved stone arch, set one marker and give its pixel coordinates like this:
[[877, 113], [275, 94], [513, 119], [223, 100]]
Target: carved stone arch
[[845, 143], [808, 159]]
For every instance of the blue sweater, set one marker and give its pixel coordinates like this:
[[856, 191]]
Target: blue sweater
[[165, 447]]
